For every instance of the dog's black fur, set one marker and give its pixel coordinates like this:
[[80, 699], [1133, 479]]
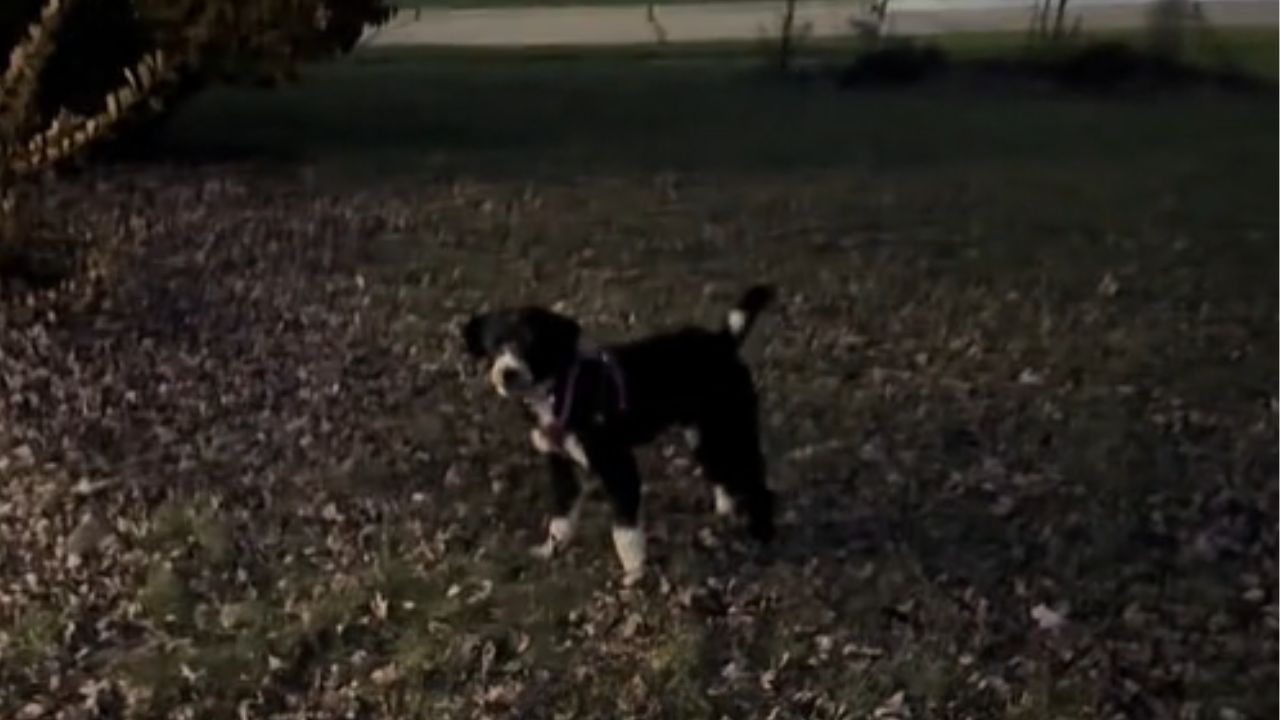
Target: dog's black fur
[[691, 378]]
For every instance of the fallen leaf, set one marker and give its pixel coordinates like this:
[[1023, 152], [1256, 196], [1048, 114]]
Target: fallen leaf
[[1047, 618]]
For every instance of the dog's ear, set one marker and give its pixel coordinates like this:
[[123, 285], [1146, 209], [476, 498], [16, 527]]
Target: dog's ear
[[474, 334]]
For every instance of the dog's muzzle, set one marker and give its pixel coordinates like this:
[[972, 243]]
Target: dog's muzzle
[[510, 375]]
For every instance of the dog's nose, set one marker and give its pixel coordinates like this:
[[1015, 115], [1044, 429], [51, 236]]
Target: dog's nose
[[510, 377]]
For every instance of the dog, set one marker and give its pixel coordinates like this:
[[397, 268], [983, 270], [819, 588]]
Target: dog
[[591, 406]]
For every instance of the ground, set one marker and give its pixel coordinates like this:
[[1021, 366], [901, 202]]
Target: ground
[[1019, 403]]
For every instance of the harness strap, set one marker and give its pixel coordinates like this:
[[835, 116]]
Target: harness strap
[[571, 383]]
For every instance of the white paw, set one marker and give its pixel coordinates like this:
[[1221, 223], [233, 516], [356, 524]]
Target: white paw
[[629, 543], [559, 532], [631, 578], [724, 502], [545, 551]]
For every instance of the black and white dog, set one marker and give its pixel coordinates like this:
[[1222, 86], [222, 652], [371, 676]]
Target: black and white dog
[[591, 406]]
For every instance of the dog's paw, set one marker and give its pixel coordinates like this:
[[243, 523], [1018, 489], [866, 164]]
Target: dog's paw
[[632, 578], [725, 506], [544, 551]]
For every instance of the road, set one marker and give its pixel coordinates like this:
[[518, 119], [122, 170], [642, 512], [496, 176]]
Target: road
[[630, 24]]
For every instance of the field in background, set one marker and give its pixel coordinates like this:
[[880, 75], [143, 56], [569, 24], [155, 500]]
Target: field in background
[[706, 107], [1019, 400], [608, 23]]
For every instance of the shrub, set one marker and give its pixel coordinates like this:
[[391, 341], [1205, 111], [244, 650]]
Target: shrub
[[263, 41], [1099, 65], [1107, 66], [82, 70], [896, 63]]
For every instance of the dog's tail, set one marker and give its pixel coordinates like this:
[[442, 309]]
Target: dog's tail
[[737, 324]]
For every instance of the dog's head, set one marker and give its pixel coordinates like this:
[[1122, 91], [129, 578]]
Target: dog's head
[[527, 347]]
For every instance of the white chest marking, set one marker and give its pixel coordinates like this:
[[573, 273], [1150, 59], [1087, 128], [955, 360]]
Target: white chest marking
[[544, 410], [573, 447], [570, 446]]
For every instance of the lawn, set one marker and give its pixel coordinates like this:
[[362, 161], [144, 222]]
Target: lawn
[[563, 111], [1019, 402]]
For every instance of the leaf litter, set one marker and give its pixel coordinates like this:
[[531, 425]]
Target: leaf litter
[[246, 471]]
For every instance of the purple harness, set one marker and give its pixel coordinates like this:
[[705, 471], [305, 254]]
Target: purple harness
[[571, 383]]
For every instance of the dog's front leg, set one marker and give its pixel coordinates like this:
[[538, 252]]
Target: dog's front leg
[[566, 495], [617, 469]]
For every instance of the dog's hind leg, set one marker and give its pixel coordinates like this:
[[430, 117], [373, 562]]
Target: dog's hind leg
[[729, 452], [724, 502]]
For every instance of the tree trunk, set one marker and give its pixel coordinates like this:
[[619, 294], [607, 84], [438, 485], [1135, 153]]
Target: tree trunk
[[1060, 20], [651, 16], [786, 43]]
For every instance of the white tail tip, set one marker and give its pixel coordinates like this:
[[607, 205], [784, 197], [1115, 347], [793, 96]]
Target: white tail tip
[[737, 321]]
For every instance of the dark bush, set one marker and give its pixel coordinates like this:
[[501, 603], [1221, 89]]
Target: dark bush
[[81, 72], [1108, 66], [262, 41], [98, 40], [1100, 66], [896, 63]]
